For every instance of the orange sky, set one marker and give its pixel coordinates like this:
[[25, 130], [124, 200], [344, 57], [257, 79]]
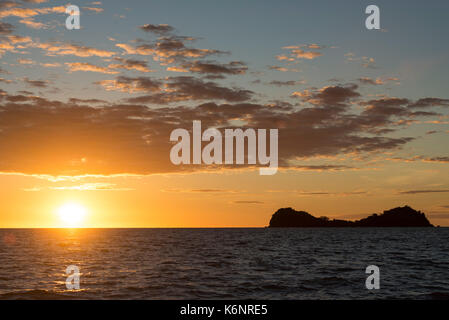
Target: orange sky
[[86, 115]]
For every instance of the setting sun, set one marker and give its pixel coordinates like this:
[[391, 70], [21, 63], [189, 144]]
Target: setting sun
[[72, 214]]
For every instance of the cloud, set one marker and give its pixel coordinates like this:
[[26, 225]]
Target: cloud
[[386, 106], [18, 12], [18, 39], [10, 43], [128, 48], [6, 28], [380, 112], [174, 89], [301, 54], [173, 52], [367, 80], [13, 11], [130, 64], [50, 64], [36, 83], [298, 52], [378, 81], [329, 95], [102, 138], [321, 168], [131, 85], [62, 49], [159, 29], [195, 89], [437, 159], [7, 4], [95, 10], [423, 191], [429, 102], [177, 69], [286, 83], [278, 68], [208, 67], [84, 66], [168, 50], [86, 101], [32, 24]]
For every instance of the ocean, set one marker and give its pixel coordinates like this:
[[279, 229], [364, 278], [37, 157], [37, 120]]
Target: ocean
[[257, 263]]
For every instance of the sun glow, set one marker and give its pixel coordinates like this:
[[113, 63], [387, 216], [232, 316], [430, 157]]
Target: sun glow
[[72, 214]]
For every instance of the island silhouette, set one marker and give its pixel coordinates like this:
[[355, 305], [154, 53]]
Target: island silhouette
[[396, 217]]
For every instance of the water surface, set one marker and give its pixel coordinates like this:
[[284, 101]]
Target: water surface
[[224, 263]]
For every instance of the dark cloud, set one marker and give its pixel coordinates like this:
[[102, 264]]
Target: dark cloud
[[25, 92], [36, 83], [429, 102], [200, 90], [7, 4], [423, 191], [175, 89], [438, 159], [159, 29], [232, 68], [130, 64], [386, 106], [169, 50], [333, 96], [381, 112], [86, 101], [6, 28], [285, 83]]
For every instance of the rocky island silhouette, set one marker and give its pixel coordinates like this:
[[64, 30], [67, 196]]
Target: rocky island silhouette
[[397, 217]]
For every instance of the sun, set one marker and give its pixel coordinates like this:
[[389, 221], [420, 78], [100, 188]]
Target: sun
[[72, 214]]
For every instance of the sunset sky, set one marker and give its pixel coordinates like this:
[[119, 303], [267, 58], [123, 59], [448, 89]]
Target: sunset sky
[[86, 115]]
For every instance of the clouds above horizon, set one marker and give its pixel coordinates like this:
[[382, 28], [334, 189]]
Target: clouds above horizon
[[159, 80], [41, 136]]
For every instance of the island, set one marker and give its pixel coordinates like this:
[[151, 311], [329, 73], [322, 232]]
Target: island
[[397, 217]]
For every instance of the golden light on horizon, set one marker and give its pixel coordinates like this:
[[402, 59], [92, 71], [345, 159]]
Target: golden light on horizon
[[72, 214]]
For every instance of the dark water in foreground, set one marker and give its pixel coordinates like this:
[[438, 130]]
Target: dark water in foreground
[[224, 263]]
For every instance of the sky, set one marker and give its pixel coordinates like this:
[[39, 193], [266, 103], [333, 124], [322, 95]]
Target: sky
[[86, 115]]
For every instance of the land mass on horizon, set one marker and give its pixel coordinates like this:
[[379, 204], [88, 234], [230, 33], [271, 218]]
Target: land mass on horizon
[[396, 217]]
